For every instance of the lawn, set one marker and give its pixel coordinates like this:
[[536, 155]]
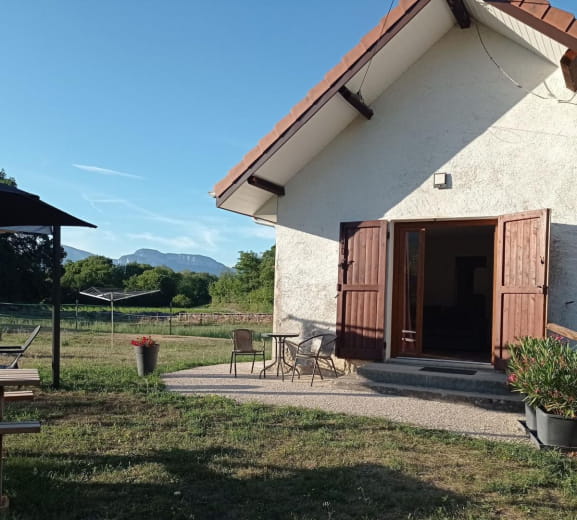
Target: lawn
[[115, 446], [130, 320]]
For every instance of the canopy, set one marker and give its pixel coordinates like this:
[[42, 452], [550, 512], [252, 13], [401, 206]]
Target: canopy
[[24, 212], [20, 208]]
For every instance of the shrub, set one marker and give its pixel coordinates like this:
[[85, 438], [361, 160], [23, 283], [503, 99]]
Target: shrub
[[545, 370], [180, 300]]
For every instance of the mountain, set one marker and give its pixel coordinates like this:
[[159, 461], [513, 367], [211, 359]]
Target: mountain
[[176, 261], [73, 254]]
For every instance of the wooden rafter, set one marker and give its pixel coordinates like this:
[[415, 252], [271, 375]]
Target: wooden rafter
[[265, 185], [569, 68], [356, 101], [460, 13]]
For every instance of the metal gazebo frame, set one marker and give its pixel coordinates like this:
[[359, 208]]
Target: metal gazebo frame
[[24, 212]]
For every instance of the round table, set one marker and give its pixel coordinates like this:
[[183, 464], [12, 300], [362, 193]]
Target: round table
[[279, 343]]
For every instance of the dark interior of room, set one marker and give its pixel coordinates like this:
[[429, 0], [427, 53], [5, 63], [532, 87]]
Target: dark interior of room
[[458, 292]]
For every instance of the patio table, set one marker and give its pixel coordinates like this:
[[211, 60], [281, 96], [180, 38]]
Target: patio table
[[14, 377], [279, 343]]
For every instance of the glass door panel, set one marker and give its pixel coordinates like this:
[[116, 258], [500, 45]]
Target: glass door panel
[[411, 331]]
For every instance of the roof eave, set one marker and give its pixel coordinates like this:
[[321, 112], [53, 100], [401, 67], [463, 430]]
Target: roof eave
[[340, 82]]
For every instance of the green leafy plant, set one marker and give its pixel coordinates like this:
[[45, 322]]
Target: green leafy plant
[[545, 371]]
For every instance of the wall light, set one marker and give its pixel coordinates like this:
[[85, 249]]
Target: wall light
[[441, 180]]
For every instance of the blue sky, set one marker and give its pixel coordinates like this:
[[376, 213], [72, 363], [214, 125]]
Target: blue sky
[[126, 113]]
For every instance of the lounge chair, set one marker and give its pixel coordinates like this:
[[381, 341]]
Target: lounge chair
[[17, 351]]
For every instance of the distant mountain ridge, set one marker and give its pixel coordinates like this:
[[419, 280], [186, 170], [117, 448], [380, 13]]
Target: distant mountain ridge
[[73, 254], [176, 261]]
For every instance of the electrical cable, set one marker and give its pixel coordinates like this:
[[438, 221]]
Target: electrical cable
[[375, 51], [502, 70]]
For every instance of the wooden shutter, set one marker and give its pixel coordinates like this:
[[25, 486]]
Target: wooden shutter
[[521, 269], [361, 290]]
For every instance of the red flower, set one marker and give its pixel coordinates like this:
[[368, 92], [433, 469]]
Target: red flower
[[512, 378], [144, 341]]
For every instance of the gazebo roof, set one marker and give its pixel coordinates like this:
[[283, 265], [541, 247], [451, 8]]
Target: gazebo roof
[[20, 208]]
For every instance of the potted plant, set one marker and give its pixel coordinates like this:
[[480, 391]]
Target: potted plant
[[146, 352], [523, 373], [545, 371]]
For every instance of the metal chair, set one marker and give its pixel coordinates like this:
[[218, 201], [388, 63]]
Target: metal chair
[[242, 345], [318, 347], [17, 351]]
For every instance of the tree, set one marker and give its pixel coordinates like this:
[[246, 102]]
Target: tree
[[4, 179], [26, 267], [196, 287], [248, 270], [180, 300], [252, 283], [26, 262], [227, 289], [161, 278], [123, 272], [97, 271]]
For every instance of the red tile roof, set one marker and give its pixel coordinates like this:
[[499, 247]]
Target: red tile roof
[[539, 14]]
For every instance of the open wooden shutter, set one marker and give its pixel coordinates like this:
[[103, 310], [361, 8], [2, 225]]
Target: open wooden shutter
[[361, 290], [521, 269]]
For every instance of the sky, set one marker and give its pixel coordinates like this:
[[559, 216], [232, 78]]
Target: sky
[[126, 113]]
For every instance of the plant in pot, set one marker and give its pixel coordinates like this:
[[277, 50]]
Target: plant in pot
[[523, 374], [146, 352], [545, 371]]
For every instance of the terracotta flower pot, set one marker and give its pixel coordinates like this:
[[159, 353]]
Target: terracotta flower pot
[[146, 358]]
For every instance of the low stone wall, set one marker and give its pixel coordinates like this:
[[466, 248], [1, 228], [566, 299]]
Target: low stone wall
[[210, 317]]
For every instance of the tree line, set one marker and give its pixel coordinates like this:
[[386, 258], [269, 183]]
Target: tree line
[[250, 286]]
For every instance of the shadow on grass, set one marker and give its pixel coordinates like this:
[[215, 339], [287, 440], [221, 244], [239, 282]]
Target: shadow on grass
[[214, 483]]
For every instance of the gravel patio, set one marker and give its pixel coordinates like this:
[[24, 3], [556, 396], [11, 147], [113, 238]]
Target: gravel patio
[[345, 395]]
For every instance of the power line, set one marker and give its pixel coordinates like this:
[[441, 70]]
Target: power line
[[375, 50]]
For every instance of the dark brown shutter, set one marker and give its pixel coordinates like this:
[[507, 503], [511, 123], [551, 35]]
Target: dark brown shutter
[[521, 269], [361, 290]]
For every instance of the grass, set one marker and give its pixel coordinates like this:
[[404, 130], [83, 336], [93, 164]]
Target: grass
[[128, 320], [116, 446], [208, 330]]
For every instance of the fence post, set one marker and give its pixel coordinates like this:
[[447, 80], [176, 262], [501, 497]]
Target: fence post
[[76, 315], [170, 321]]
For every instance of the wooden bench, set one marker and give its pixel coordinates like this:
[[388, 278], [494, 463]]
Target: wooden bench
[[19, 395], [7, 428]]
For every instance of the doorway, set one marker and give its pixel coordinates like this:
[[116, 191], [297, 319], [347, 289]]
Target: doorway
[[443, 290]]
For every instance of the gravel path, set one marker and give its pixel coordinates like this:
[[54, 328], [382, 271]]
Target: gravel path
[[325, 395]]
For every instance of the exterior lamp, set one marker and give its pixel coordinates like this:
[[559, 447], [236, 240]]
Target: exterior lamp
[[440, 181]]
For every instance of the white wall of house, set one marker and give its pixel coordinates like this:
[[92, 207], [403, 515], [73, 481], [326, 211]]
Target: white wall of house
[[507, 149]]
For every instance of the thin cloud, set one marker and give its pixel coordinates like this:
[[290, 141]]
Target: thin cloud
[[135, 208], [106, 171]]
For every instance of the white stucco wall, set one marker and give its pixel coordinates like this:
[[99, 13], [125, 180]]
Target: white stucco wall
[[453, 111]]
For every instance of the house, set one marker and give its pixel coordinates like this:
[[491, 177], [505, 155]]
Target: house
[[424, 194]]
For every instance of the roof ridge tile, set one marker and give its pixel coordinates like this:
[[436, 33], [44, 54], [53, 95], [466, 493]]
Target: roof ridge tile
[[559, 18]]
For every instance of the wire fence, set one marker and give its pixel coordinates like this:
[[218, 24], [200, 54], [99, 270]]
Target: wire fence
[[139, 321]]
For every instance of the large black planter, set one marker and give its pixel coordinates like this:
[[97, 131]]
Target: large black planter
[[146, 359], [554, 430]]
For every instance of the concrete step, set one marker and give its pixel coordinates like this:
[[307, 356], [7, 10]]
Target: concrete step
[[475, 378], [508, 403]]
